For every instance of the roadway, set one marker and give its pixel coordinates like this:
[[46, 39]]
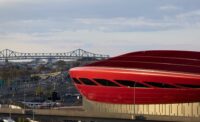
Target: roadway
[[79, 113]]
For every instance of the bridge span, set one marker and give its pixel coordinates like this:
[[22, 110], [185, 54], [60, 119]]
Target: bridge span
[[8, 54]]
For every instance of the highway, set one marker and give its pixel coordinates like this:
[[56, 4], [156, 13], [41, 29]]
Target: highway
[[79, 113]]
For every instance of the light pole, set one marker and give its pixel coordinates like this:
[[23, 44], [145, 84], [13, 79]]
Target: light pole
[[10, 107], [134, 96], [24, 95], [33, 114]]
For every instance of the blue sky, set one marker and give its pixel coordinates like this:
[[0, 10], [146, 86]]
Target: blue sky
[[100, 26]]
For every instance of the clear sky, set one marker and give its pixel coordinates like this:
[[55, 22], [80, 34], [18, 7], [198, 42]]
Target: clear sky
[[100, 26]]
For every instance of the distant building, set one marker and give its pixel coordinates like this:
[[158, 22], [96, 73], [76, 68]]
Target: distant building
[[2, 82]]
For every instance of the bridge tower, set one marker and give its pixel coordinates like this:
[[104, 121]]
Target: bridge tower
[[6, 60], [50, 60]]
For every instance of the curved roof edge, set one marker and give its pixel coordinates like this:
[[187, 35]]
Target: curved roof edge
[[167, 60]]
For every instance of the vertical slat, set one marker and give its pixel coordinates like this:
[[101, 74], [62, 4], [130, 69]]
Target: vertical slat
[[180, 109]]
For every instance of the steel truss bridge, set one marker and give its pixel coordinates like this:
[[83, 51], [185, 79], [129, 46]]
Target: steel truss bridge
[[6, 55]]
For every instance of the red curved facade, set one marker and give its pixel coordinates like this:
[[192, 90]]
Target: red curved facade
[[146, 77]]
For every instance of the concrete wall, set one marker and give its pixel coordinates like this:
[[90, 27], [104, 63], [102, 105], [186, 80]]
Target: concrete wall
[[181, 109], [10, 110]]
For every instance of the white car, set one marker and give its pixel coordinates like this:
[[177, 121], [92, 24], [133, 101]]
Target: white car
[[6, 120]]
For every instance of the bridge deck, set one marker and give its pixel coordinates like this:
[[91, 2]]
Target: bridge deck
[[7, 54], [80, 112]]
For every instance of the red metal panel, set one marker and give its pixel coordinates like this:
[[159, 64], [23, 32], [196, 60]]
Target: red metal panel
[[181, 68]]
